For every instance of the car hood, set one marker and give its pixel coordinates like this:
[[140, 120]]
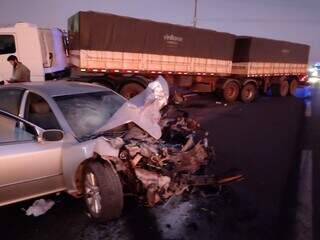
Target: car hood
[[143, 109]]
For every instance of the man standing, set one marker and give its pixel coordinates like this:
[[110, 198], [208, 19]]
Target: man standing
[[20, 72]]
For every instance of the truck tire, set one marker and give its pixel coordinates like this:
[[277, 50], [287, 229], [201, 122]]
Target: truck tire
[[102, 191], [293, 87], [129, 90], [231, 91], [248, 93], [280, 89]]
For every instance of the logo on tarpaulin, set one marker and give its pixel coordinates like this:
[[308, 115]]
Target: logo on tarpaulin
[[172, 40], [286, 51]]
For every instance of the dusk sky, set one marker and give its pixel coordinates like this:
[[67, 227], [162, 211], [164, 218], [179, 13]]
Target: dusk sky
[[293, 20]]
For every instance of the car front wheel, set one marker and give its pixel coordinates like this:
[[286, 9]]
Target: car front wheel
[[102, 191]]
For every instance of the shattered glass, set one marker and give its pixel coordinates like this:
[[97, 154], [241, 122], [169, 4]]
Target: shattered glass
[[87, 112]]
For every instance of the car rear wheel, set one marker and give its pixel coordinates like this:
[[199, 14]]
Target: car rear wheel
[[102, 191], [248, 93], [231, 91]]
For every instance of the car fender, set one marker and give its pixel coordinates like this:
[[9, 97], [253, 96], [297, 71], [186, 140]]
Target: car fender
[[76, 154]]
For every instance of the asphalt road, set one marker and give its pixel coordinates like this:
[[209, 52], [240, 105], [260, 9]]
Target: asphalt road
[[263, 139], [311, 143]]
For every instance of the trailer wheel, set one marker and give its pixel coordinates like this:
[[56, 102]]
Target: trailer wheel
[[281, 89], [231, 91], [293, 86], [248, 93], [102, 191], [130, 90]]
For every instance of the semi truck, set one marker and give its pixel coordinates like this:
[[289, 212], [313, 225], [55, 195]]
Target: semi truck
[[126, 53]]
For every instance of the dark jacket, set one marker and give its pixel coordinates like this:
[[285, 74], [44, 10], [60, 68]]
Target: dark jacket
[[20, 74]]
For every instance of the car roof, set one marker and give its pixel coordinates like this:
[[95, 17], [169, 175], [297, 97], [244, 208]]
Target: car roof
[[59, 88]]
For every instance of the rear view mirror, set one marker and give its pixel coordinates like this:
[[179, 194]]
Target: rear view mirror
[[52, 135]]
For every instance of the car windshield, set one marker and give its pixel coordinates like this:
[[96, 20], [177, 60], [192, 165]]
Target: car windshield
[[87, 112]]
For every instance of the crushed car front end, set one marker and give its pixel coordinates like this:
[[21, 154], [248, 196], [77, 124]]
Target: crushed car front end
[[161, 151]]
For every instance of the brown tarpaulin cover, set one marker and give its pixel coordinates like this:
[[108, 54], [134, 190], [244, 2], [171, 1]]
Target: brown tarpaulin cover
[[252, 49], [109, 32]]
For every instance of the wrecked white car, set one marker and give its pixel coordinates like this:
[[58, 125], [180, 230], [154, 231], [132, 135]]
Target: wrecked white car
[[90, 142]]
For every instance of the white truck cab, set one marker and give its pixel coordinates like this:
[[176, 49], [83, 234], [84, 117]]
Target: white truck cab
[[41, 50]]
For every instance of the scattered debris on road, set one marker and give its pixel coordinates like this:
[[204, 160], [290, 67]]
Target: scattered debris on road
[[39, 207]]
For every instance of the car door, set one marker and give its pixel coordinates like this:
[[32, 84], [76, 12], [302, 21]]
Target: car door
[[28, 168]]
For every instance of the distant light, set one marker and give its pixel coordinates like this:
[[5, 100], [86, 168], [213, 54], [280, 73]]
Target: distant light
[[313, 79], [314, 73]]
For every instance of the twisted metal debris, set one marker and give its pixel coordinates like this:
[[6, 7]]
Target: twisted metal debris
[[163, 153]]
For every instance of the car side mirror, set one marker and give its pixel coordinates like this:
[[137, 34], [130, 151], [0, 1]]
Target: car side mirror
[[52, 135]]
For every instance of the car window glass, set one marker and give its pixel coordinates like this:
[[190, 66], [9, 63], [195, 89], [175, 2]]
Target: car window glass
[[87, 112], [10, 100], [7, 44], [12, 130], [40, 113]]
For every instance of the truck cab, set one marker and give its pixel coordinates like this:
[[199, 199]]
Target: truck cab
[[41, 50]]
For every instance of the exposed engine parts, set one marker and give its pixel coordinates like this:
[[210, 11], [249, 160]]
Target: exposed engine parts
[[157, 169]]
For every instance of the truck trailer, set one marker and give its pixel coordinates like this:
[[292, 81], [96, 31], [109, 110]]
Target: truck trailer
[[126, 53], [274, 64]]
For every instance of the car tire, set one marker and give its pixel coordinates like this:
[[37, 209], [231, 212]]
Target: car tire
[[280, 89], [102, 191], [248, 93], [231, 91], [129, 90]]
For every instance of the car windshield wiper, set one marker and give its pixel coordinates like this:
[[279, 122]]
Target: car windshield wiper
[[107, 133]]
